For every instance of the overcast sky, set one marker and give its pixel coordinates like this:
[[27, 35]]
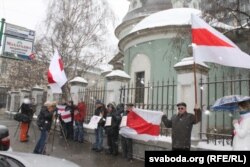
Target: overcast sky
[[28, 13]]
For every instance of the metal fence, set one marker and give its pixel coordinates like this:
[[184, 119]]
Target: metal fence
[[159, 96], [90, 95], [219, 123]]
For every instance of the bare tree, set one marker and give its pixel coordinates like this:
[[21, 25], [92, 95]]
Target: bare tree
[[232, 12], [77, 28]]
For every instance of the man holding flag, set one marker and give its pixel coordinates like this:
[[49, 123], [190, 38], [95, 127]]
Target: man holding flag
[[56, 75]]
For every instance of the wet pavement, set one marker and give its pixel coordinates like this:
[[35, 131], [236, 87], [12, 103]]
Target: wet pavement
[[80, 153]]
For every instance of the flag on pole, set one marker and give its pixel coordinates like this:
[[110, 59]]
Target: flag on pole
[[209, 45], [56, 75], [142, 125]]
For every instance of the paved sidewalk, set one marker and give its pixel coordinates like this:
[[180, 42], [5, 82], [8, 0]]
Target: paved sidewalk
[[79, 153]]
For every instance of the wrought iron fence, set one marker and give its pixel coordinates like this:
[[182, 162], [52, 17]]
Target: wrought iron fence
[[90, 95], [159, 96]]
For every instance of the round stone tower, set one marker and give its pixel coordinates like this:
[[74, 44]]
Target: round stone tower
[[139, 9]]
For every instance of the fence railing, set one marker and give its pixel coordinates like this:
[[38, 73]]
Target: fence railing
[[161, 96], [90, 96]]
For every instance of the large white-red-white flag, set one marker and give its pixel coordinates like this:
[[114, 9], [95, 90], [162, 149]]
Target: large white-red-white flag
[[56, 75], [65, 114], [209, 45], [142, 125]]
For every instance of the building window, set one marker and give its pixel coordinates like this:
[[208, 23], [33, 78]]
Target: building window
[[139, 91]]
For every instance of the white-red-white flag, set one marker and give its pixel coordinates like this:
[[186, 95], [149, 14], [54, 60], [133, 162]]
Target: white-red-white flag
[[209, 45], [56, 75], [65, 114], [142, 125]]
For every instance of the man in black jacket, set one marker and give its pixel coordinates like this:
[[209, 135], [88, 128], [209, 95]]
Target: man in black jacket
[[44, 122], [182, 124]]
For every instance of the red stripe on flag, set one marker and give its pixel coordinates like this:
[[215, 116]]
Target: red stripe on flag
[[50, 78], [141, 126], [60, 64], [65, 116], [202, 36]]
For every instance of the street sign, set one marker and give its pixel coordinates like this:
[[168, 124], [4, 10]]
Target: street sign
[[18, 42], [21, 32], [18, 46]]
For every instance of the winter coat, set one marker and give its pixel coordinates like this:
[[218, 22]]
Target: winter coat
[[115, 122], [44, 119], [241, 139], [26, 109], [80, 112], [101, 111], [120, 108], [181, 129]]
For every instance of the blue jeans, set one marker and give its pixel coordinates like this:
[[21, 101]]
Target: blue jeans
[[98, 138], [40, 146], [78, 131]]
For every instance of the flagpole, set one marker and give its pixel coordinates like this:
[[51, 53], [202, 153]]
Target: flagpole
[[190, 51], [195, 84]]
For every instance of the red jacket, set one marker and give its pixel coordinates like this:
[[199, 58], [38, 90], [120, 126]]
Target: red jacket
[[80, 112]]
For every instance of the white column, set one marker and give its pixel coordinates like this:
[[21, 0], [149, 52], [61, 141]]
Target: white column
[[13, 95], [113, 86], [186, 88], [77, 85], [35, 93], [49, 94], [23, 93]]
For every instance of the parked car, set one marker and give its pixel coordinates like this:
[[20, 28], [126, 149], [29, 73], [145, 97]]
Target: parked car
[[4, 138], [20, 159]]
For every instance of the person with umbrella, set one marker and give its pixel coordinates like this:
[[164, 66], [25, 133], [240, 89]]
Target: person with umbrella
[[241, 139], [241, 133]]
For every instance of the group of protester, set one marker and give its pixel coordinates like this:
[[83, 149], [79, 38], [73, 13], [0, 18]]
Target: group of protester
[[71, 119], [71, 125], [111, 117]]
